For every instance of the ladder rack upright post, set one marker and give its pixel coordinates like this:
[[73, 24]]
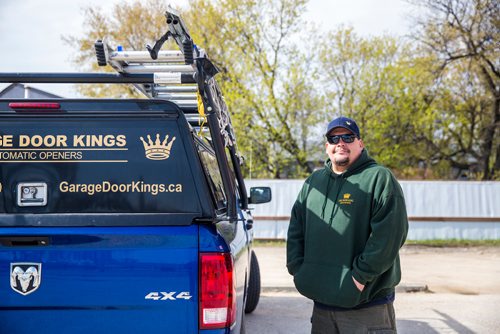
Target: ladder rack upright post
[[168, 69]]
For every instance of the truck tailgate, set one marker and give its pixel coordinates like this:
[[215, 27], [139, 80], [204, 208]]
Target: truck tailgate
[[104, 279]]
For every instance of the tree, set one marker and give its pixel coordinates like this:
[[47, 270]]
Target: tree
[[269, 78], [131, 25], [267, 71], [424, 108], [432, 105], [464, 35], [379, 82]]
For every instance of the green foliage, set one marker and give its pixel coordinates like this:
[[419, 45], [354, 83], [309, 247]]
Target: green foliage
[[463, 35], [268, 79], [427, 108], [266, 76], [388, 90], [131, 25], [454, 243]]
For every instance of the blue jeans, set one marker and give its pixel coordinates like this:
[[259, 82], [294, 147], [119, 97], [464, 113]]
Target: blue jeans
[[379, 319]]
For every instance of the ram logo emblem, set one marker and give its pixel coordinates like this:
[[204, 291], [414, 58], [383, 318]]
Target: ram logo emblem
[[25, 278]]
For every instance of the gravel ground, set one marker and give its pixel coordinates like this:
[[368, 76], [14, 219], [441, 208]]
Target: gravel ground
[[466, 271]]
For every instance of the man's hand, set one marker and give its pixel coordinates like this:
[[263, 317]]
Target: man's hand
[[358, 285]]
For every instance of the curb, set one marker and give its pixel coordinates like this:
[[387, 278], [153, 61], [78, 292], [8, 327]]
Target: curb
[[278, 289], [402, 288], [412, 287]]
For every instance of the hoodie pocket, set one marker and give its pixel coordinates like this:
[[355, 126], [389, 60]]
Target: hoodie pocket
[[327, 284]]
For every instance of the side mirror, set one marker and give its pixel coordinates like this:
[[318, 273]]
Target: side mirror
[[259, 195]]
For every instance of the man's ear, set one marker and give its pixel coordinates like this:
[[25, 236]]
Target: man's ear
[[361, 144]]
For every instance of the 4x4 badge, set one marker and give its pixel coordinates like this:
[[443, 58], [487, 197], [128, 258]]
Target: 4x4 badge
[[25, 277]]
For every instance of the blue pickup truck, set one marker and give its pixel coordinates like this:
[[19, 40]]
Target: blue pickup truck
[[125, 215]]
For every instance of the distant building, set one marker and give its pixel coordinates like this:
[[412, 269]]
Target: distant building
[[22, 91]]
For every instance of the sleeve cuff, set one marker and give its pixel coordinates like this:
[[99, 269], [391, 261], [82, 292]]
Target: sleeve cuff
[[358, 278]]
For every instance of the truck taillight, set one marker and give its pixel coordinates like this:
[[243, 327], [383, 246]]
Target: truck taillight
[[217, 291]]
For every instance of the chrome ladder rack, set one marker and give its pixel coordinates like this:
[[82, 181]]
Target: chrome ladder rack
[[185, 77]]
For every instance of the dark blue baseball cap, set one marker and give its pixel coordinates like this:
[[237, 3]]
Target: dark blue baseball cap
[[343, 122]]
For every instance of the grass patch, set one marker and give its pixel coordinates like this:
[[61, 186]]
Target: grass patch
[[427, 243], [455, 243], [269, 243]]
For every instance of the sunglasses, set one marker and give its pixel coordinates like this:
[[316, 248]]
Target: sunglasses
[[335, 139]]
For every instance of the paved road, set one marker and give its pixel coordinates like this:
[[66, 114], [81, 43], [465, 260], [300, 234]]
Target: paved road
[[416, 313], [463, 293]]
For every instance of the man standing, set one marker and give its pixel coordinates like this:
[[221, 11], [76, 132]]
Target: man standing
[[346, 228]]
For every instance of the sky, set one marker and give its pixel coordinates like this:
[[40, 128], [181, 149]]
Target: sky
[[31, 30]]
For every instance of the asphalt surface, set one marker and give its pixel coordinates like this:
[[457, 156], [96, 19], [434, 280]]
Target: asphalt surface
[[456, 290]]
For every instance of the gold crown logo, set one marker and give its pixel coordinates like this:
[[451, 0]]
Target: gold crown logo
[[157, 150], [347, 196]]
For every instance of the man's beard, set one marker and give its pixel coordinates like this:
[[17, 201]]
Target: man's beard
[[341, 162]]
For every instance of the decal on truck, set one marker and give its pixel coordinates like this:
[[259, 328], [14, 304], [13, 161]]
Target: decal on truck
[[61, 148], [132, 187], [157, 150], [61, 141], [77, 148]]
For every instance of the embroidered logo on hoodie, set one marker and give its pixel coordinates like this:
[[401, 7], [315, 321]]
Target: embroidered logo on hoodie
[[346, 200]]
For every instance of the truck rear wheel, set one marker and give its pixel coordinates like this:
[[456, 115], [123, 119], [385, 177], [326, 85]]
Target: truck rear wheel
[[253, 293]]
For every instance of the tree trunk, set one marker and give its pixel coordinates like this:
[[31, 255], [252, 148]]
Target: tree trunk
[[496, 166], [489, 133]]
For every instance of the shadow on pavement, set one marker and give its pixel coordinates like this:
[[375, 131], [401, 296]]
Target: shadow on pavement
[[414, 327], [281, 314], [290, 313], [454, 324]]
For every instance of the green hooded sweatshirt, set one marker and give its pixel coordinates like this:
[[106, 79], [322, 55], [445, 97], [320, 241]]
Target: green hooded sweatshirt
[[347, 225]]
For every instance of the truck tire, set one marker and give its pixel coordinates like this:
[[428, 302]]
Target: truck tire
[[253, 292]]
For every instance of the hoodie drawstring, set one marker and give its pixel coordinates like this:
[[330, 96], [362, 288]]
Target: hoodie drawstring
[[326, 198], [342, 180]]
